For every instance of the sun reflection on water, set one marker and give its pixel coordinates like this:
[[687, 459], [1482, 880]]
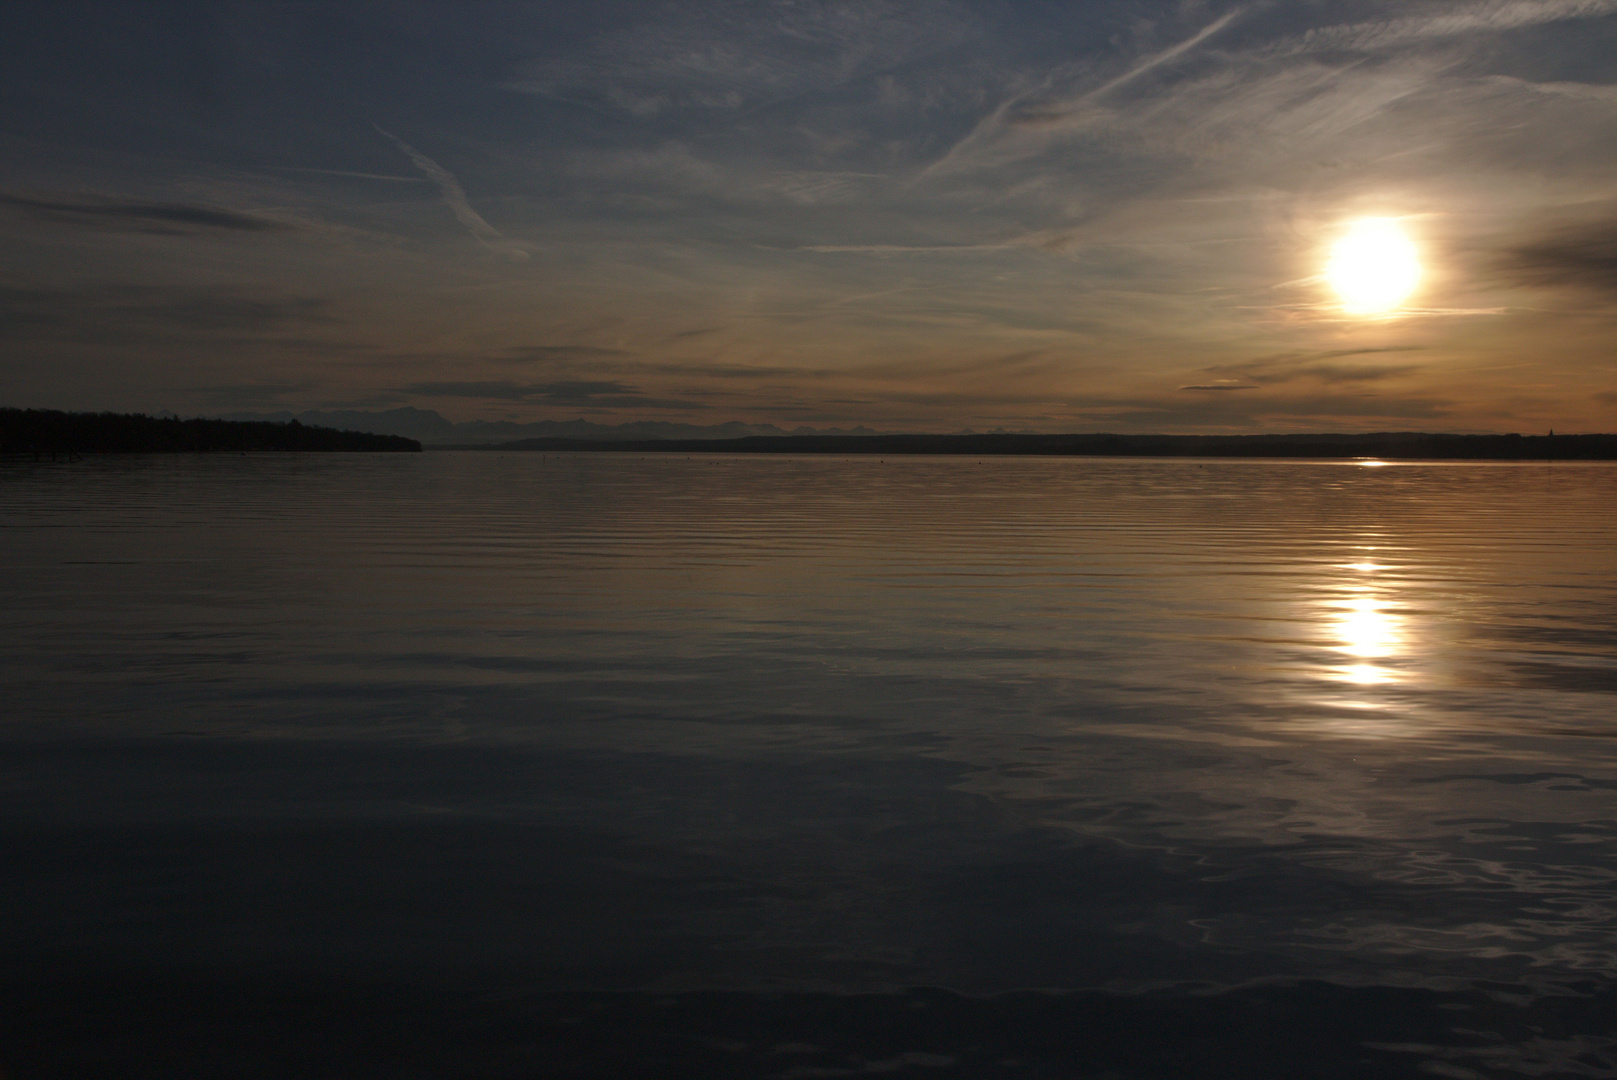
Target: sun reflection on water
[[1368, 634]]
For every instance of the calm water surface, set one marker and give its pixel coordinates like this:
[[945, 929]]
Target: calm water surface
[[1274, 768]]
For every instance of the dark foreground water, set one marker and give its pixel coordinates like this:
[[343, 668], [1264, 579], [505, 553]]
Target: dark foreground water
[[507, 765]]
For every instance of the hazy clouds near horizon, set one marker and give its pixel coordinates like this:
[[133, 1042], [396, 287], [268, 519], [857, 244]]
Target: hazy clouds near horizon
[[916, 216]]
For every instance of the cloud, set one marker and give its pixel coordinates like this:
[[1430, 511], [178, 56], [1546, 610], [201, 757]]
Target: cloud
[[1600, 93], [226, 309], [1253, 412], [961, 154], [736, 372], [672, 166], [1450, 21], [1242, 111], [258, 394], [730, 55], [1254, 108], [1584, 257], [455, 196], [583, 391], [1315, 366], [567, 392], [119, 310], [557, 352], [155, 217], [905, 249], [811, 188], [360, 175], [1173, 52], [1152, 189], [499, 390]]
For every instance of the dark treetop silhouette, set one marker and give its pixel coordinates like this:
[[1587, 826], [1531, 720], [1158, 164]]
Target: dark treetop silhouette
[[46, 430]]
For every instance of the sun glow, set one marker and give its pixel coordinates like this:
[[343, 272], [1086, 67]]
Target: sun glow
[[1373, 267]]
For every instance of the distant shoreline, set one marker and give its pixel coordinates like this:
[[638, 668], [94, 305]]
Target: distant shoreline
[[55, 433], [1419, 446], [50, 432]]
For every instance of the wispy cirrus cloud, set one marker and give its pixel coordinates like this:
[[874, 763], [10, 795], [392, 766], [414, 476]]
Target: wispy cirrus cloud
[[811, 188], [1447, 20], [1263, 99], [731, 55]]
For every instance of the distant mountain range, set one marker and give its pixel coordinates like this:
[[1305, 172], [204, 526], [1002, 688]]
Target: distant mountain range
[[432, 429]]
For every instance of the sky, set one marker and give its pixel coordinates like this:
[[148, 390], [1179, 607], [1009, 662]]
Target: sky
[[913, 216]]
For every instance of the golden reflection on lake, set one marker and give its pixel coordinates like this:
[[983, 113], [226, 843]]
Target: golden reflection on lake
[[1367, 647], [1369, 634], [1143, 720]]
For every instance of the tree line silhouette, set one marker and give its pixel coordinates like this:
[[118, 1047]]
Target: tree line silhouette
[[48, 431], [1401, 445]]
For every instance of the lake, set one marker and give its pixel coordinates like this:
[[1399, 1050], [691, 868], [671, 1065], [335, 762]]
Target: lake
[[505, 764]]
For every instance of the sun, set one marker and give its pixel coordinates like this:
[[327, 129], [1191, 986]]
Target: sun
[[1373, 267]]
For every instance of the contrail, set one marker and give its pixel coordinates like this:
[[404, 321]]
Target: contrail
[[995, 119], [357, 175], [1162, 57], [455, 196]]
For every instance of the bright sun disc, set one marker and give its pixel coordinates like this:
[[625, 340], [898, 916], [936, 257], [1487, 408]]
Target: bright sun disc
[[1373, 267]]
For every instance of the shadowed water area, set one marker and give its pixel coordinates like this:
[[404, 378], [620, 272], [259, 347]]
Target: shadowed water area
[[478, 764]]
